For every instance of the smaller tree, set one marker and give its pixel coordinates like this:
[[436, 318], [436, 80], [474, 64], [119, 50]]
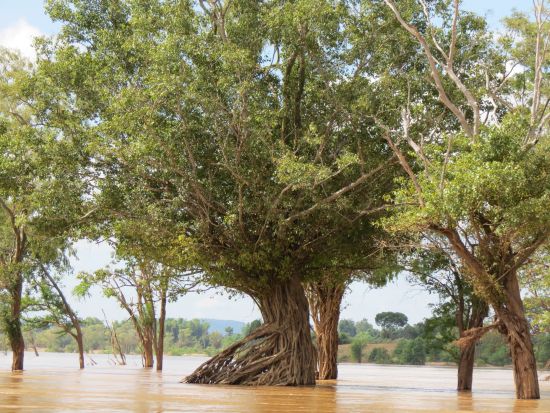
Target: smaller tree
[[142, 288], [347, 326], [357, 345], [390, 321], [52, 302], [379, 355]]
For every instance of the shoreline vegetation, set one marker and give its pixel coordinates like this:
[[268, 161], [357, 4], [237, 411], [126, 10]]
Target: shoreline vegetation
[[359, 342]]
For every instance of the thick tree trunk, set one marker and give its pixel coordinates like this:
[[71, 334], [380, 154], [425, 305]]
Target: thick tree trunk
[[516, 329], [478, 313], [466, 367], [324, 304], [280, 352], [160, 333], [18, 351], [148, 353]]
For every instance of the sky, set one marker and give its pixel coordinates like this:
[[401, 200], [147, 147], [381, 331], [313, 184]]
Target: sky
[[22, 20]]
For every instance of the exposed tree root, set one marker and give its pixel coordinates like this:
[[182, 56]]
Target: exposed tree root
[[279, 353]]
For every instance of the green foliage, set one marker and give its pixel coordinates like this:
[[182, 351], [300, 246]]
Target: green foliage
[[535, 278], [379, 355], [250, 327], [542, 348], [363, 326], [182, 337], [240, 148], [347, 327], [357, 345], [344, 338], [493, 350], [391, 320], [410, 352]]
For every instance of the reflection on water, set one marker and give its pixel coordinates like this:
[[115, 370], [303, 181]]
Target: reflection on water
[[53, 383]]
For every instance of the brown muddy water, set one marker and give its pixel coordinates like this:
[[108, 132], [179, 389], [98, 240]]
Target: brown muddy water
[[51, 383]]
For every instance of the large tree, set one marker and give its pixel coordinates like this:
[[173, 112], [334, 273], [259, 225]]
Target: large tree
[[477, 161], [236, 127]]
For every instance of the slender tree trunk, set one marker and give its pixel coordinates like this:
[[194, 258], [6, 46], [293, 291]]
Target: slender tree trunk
[[516, 329], [160, 333], [80, 344], [72, 315], [280, 352], [15, 333], [324, 304]]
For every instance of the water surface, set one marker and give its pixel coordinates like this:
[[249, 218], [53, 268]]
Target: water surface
[[52, 383]]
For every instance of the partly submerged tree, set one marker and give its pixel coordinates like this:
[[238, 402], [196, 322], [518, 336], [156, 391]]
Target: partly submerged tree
[[325, 295], [459, 311], [53, 307], [478, 174], [143, 289], [235, 127], [40, 194]]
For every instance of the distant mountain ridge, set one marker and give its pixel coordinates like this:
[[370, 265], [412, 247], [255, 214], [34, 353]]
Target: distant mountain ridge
[[221, 325]]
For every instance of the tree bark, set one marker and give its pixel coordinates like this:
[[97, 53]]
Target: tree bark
[[148, 359], [478, 313], [18, 350], [15, 334], [160, 333], [509, 310], [516, 329], [324, 304], [280, 352], [466, 367], [80, 344], [72, 315]]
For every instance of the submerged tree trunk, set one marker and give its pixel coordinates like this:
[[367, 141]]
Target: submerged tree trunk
[[14, 331], [148, 358], [510, 312], [324, 304], [466, 367], [80, 344], [17, 344], [280, 352], [160, 332], [516, 329], [479, 312]]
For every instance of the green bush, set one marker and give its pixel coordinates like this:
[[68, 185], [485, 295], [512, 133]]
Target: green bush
[[379, 355]]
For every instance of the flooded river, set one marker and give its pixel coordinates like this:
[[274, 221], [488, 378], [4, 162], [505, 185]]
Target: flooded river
[[51, 383]]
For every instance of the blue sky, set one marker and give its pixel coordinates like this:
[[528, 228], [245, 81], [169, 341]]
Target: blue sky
[[23, 19]]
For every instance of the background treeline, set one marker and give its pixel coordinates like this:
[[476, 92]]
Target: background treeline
[[396, 342], [422, 343], [182, 337]]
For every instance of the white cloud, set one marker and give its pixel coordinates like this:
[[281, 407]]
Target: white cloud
[[20, 36]]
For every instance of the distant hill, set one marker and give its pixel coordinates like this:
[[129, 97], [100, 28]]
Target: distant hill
[[220, 325]]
